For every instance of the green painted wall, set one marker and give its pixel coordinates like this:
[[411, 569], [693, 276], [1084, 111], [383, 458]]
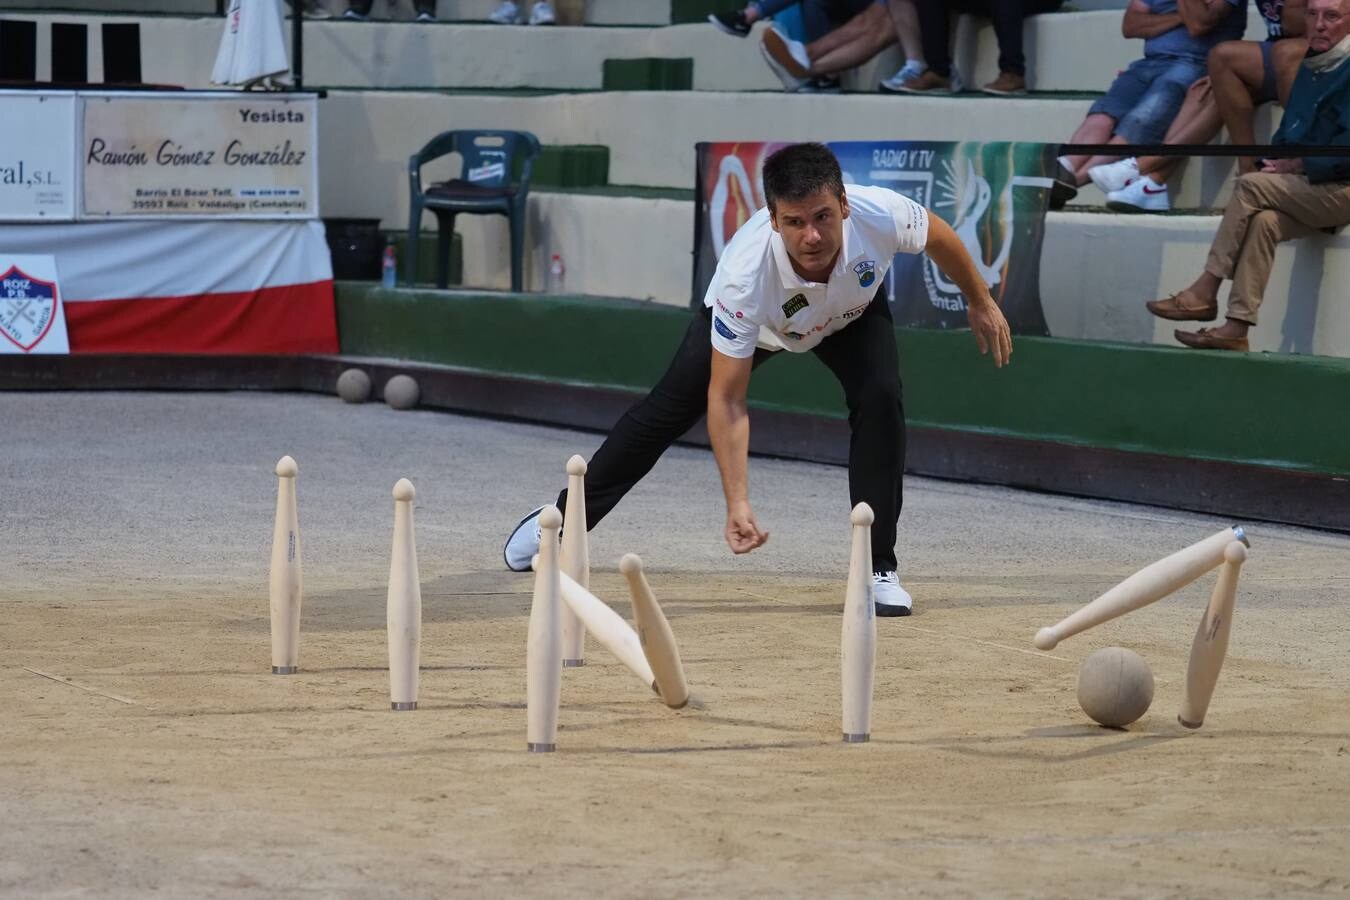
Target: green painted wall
[[1265, 409]]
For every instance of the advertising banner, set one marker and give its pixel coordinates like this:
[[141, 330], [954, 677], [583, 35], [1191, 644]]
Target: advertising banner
[[37, 156], [993, 195], [32, 316], [240, 156]]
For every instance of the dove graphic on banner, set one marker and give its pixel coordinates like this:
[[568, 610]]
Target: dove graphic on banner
[[253, 47]]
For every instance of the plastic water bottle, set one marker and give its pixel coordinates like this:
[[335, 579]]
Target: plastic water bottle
[[389, 267], [556, 275]]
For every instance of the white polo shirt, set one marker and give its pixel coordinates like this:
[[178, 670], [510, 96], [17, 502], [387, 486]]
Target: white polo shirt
[[755, 284]]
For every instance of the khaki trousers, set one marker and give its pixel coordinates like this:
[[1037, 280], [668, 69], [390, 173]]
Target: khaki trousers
[[1266, 209]]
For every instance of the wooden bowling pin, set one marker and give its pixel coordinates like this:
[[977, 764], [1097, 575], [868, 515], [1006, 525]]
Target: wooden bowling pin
[[1211, 639], [858, 642], [1148, 585], [607, 627], [575, 561], [403, 610], [285, 585], [543, 656], [657, 638]]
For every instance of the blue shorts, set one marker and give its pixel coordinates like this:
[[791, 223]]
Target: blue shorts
[[1145, 98]]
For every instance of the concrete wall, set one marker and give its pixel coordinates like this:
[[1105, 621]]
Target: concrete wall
[[1097, 269]]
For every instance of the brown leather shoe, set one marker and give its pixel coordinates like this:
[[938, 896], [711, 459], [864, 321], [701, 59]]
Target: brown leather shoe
[[1206, 339], [1005, 84], [928, 82], [1183, 306]]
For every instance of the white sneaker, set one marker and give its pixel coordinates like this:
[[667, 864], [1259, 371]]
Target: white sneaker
[[425, 17], [889, 597], [1114, 176], [523, 544], [542, 14], [911, 69], [1140, 195], [506, 14], [787, 58]]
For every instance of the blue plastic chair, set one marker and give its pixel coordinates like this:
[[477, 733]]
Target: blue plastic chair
[[484, 187]]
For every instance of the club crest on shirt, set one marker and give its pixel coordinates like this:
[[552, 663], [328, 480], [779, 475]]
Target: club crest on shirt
[[866, 272], [795, 305]]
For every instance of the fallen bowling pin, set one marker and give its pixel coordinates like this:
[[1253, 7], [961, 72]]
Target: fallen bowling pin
[[403, 609], [1211, 640], [655, 635], [858, 642], [606, 626], [575, 561], [1149, 585], [284, 583], [543, 652]]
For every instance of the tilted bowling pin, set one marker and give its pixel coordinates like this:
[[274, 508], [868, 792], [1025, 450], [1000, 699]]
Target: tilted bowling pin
[[575, 561], [285, 585], [1148, 585], [543, 653], [858, 643], [1211, 640], [606, 626], [658, 640], [404, 606]]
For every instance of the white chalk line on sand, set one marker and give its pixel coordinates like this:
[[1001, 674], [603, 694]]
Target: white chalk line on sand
[[61, 679]]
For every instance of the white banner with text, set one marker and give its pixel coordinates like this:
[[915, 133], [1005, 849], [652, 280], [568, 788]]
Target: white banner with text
[[37, 156], [199, 155]]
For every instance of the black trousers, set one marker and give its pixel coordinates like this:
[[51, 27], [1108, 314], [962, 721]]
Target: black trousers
[[1007, 15], [862, 356]]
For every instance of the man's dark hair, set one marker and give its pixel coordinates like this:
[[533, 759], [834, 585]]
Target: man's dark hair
[[799, 171]]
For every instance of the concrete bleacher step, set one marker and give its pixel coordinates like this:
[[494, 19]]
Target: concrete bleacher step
[[1065, 52], [651, 136]]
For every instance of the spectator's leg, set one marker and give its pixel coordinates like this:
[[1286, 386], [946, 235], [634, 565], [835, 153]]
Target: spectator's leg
[[361, 7], [1096, 129], [935, 33], [1227, 244], [1265, 231], [1106, 113], [1289, 208], [1197, 123], [1150, 118], [1287, 55], [1237, 69], [868, 34], [905, 20], [851, 32]]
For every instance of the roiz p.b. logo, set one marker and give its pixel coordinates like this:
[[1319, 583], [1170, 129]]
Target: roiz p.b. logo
[[27, 308]]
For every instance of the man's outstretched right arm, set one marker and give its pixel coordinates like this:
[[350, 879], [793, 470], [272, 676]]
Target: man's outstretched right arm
[[729, 431]]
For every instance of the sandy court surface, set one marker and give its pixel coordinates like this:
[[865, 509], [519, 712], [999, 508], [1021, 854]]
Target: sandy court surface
[[145, 749]]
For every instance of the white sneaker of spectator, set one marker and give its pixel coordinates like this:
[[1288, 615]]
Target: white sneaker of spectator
[[505, 14], [542, 13], [787, 58], [1114, 176], [1141, 195], [912, 68]]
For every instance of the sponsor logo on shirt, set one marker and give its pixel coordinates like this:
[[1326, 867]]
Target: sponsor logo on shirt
[[795, 305], [854, 312], [866, 272], [722, 306], [722, 328]]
